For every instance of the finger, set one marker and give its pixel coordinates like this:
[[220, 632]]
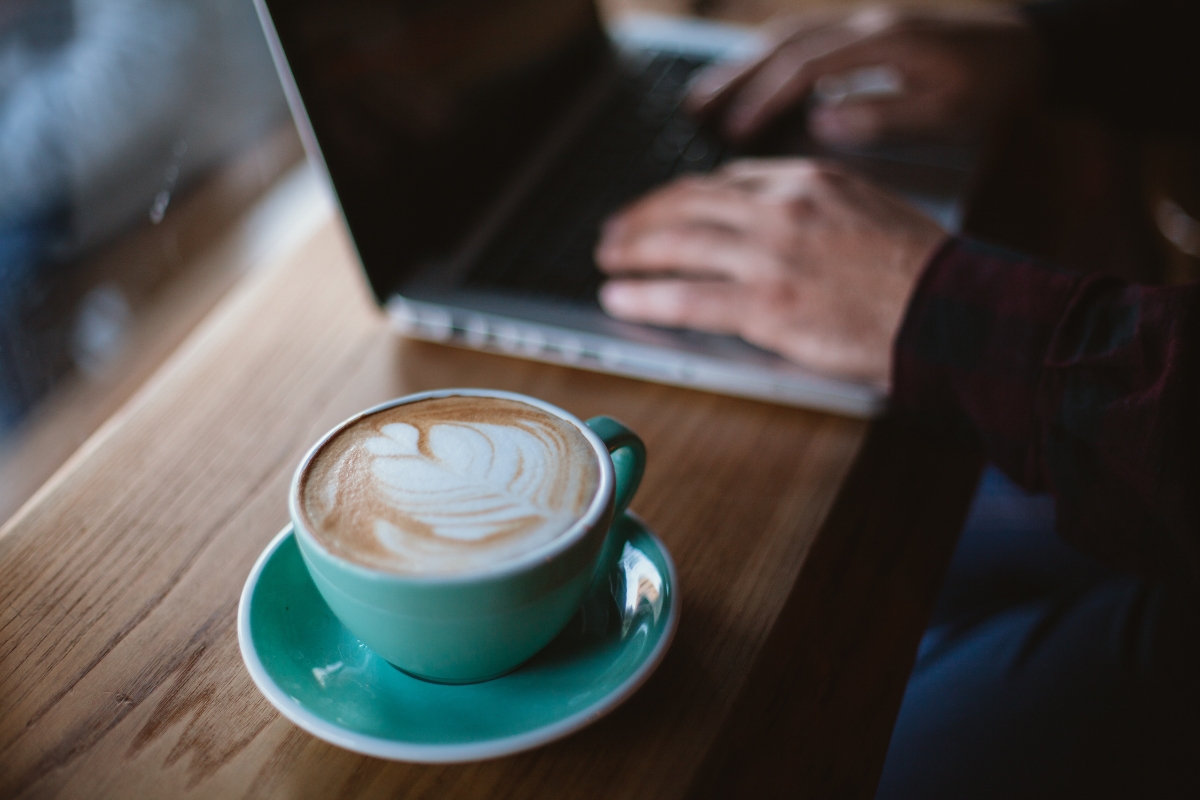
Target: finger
[[713, 306], [717, 83], [776, 85], [871, 121], [857, 123], [693, 202], [775, 177], [773, 89], [806, 23], [714, 85], [692, 251]]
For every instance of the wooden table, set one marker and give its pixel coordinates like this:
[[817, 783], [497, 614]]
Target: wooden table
[[809, 550]]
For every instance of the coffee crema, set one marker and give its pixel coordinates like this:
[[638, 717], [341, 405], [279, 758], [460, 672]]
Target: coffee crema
[[448, 484]]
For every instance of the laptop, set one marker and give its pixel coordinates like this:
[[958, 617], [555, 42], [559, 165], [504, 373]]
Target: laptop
[[475, 146]]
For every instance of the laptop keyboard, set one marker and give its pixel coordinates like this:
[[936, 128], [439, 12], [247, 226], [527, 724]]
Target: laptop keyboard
[[639, 139]]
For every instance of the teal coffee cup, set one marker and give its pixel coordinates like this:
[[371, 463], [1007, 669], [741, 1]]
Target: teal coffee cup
[[485, 620]]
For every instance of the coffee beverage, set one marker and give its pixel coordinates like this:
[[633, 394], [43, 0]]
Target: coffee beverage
[[430, 492], [447, 485]]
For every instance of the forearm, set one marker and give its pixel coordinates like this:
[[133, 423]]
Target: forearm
[[1081, 385]]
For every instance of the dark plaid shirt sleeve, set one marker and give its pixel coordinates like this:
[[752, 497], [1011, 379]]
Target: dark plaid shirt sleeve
[[1082, 385]]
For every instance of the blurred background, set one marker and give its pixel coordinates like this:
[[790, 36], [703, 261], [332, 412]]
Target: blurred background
[[108, 110], [134, 134], [147, 162]]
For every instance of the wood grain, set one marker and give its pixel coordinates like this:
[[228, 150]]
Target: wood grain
[[808, 561], [825, 690], [119, 582]]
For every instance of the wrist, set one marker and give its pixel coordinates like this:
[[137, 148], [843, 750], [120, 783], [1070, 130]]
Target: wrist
[[973, 341]]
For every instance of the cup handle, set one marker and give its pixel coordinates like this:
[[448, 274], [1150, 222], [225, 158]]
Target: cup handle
[[629, 462]]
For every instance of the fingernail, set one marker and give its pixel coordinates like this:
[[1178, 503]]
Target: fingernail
[[698, 94], [709, 83], [614, 297]]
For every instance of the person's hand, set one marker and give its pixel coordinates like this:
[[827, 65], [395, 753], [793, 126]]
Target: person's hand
[[790, 254], [935, 74]]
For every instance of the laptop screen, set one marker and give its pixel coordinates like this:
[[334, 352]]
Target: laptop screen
[[423, 109]]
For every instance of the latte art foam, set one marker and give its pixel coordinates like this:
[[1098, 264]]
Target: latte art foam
[[448, 484]]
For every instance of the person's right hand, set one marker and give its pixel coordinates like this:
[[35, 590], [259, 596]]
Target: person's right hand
[[956, 71], [793, 255]]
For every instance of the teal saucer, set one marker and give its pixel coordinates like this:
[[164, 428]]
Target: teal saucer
[[326, 681]]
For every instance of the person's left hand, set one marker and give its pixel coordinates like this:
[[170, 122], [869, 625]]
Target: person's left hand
[[950, 74], [792, 255]]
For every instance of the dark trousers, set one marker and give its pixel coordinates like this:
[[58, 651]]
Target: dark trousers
[[1045, 674]]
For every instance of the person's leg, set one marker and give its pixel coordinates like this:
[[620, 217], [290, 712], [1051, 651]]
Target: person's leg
[[1046, 675], [1008, 552]]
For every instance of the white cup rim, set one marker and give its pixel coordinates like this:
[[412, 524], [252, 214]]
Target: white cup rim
[[599, 504]]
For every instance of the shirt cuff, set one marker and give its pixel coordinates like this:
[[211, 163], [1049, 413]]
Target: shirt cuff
[[968, 358]]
